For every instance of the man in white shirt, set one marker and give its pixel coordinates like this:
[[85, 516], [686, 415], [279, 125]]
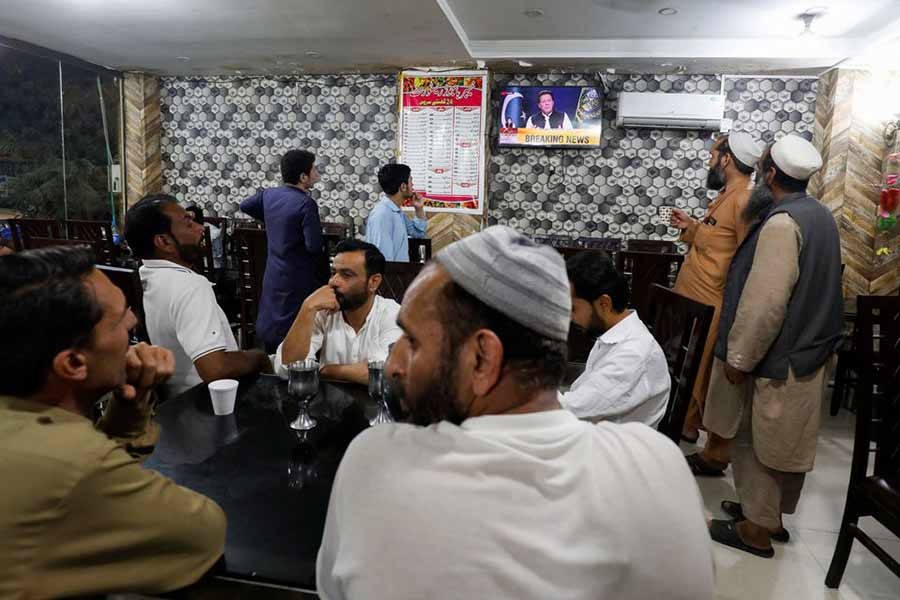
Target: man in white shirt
[[180, 307], [346, 322], [626, 377], [496, 492]]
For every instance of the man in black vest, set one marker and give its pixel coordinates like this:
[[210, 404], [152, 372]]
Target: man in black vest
[[546, 117], [782, 319]]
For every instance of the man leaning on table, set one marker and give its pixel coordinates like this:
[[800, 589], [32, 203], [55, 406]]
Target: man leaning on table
[[78, 514], [345, 322]]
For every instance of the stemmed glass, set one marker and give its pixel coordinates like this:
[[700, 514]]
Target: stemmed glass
[[376, 392], [303, 384]]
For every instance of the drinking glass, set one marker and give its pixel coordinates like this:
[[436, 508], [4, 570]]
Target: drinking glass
[[303, 384], [376, 392]]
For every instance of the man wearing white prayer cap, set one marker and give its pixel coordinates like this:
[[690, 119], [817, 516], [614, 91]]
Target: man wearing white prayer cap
[[712, 243], [492, 490], [781, 323]]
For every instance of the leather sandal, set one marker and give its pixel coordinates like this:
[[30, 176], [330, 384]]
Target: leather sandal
[[700, 468], [734, 510], [725, 532]]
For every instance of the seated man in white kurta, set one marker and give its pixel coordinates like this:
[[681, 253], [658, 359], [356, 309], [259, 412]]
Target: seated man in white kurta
[[345, 322], [626, 378]]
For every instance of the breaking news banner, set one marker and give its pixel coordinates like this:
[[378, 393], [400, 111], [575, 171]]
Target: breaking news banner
[[550, 116]]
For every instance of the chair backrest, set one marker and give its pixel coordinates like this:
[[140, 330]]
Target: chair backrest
[[644, 269], [207, 266], [23, 229], [129, 281], [680, 326], [877, 347], [35, 242], [419, 249], [610, 245], [332, 234], [99, 232], [251, 249], [660, 246], [397, 277]]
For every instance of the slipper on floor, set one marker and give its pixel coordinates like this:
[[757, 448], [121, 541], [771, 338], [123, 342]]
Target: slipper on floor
[[734, 510], [725, 532], [700, 468]]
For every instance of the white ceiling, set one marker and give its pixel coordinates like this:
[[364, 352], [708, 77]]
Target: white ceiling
[[227, 37]]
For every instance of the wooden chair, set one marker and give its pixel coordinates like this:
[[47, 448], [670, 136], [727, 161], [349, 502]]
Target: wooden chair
[[207, 266], [129, 281], [23, 229], [660, 246], [644, 269], [35, 243], [251, 248], [419, 249], [332, 234], [877, 420], [610, 245], [397, 277], [223, 225], [680, 326], [98, 232]]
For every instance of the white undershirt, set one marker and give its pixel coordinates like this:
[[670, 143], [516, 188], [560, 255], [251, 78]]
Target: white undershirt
[[532, 506]]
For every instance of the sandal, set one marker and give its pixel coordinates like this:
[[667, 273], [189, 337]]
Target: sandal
[[699, 467], [734, 510], [725, 532]]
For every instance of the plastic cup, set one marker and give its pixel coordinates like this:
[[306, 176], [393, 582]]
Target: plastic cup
[[223, 393]]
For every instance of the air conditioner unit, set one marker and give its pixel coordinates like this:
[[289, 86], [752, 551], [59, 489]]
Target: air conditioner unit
[[670, 111]]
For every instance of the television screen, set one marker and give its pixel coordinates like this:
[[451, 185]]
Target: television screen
[[550, 116]]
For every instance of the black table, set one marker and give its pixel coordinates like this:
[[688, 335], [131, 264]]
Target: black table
[[272, 482]]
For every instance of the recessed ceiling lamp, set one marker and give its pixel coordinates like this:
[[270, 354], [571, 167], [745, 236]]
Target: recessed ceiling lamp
[[668, 12], [182, 58], [523, 63], [533, 13], [808, 17], [313, 54]]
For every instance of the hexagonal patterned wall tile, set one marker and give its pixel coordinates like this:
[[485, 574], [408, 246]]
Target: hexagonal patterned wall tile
[[222, 140]]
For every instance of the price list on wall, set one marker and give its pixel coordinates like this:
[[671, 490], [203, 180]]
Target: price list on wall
[[442, 129]]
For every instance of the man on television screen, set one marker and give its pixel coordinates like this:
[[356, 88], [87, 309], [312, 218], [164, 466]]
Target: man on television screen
[[547, 118]]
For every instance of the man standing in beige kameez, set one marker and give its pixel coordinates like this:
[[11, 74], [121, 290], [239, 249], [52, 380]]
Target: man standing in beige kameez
[[781, 323], [713, 242]]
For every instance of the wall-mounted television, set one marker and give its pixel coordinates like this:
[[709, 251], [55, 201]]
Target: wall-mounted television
[[568, 116]]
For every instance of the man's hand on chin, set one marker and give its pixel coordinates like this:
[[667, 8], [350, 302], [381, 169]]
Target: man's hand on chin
[[146, 367]]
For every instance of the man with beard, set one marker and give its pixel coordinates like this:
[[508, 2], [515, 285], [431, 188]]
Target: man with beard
[[344, 321], [493, 491], [712, 243], [180, 306], [782, 319], [626, 377]]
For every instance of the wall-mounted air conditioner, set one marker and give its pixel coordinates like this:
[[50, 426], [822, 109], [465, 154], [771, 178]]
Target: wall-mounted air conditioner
[[670, 111]]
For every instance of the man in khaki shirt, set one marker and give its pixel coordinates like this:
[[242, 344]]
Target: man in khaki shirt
[[713, 241], [78, 514], [782, 320]]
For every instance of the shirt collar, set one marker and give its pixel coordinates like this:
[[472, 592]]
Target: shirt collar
[[394, 207], [376, 305], [158, 263], [620, 331], [27, 406]]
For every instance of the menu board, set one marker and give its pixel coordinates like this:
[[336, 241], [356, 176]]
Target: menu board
[[442, 129]]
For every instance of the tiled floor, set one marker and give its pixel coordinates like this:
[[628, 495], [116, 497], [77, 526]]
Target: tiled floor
[[798, 570]]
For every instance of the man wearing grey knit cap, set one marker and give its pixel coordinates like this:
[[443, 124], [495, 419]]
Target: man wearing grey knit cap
[[492, 490]]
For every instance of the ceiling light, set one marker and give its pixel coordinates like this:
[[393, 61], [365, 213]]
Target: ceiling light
[[182, 58], [313, 54], [533, 13], [523, 63], [808, 17], [668, 12]]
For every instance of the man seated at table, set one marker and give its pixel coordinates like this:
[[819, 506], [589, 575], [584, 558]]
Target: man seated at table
[[346, 322], [180, 307], [626, 377], [493, 491], [78, 514]]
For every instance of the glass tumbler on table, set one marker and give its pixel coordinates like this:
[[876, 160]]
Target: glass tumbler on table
[[303, 384], [376, 392]]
